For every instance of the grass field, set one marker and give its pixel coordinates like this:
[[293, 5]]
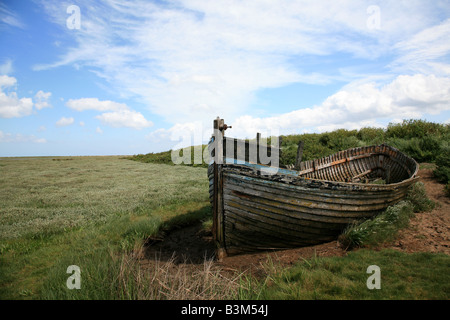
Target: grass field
[[94, 212], [57, 212]]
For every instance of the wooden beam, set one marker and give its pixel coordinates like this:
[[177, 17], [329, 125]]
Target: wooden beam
[[299, 155], [218, 226]]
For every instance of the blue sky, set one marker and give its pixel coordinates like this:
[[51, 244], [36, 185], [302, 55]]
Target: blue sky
[[128, 77]]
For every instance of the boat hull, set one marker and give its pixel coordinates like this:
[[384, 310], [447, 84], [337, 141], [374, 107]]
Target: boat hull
[[256, 211]]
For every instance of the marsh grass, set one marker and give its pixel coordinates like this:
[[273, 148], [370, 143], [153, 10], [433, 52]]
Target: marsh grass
[[58, 213], [40, 196]]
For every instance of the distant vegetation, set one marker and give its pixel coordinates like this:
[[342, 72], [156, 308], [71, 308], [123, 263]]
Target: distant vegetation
[[165, 157], [424, 141]]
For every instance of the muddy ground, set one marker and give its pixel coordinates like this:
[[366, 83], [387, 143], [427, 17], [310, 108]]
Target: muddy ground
[[189, 246]]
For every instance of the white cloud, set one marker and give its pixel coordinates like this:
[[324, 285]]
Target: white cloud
[[99, 130], [423, 51], [120, 114], [6, 67], [124, 118], [42, 98], [18, 138], [404, 97], [63, 122], [10, 105], [8, 17], [6, 81], [95, 104], [189, 59], [192, 60]]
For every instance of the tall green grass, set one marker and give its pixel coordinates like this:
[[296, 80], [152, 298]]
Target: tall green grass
[[418, 276], [384, 227]]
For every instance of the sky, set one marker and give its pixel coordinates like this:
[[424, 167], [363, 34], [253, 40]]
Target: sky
[[128, 77]]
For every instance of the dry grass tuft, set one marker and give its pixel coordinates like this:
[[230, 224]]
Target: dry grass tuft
[[168, 280]]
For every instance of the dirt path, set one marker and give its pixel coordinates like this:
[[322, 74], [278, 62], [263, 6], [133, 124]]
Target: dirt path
[[428, 232]]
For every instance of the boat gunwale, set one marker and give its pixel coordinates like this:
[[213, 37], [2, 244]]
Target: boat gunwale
[[262, 171], [305, 179]]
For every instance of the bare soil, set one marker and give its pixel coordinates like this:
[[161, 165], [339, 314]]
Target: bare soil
[[189, 246], [428, 231]]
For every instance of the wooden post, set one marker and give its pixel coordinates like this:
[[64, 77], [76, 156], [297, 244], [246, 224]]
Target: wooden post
[[258, 139], [388, 174], [218, 140], [280, 141], [218, 225], [299, 155]]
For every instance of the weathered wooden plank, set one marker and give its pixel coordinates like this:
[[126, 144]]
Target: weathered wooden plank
[[252, 233], [324, 193], [245, 226], [315, 210], [296, 217], [284, 222]]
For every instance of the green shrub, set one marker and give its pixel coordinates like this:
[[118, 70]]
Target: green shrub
[[339, 139], [424, 149], [312, 148], [314, 151], [288, 155], [418, 197], [371, 135], [442, 171], [415, 129]]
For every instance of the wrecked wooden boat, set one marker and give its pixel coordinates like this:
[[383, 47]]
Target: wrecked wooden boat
[[262, 207]]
